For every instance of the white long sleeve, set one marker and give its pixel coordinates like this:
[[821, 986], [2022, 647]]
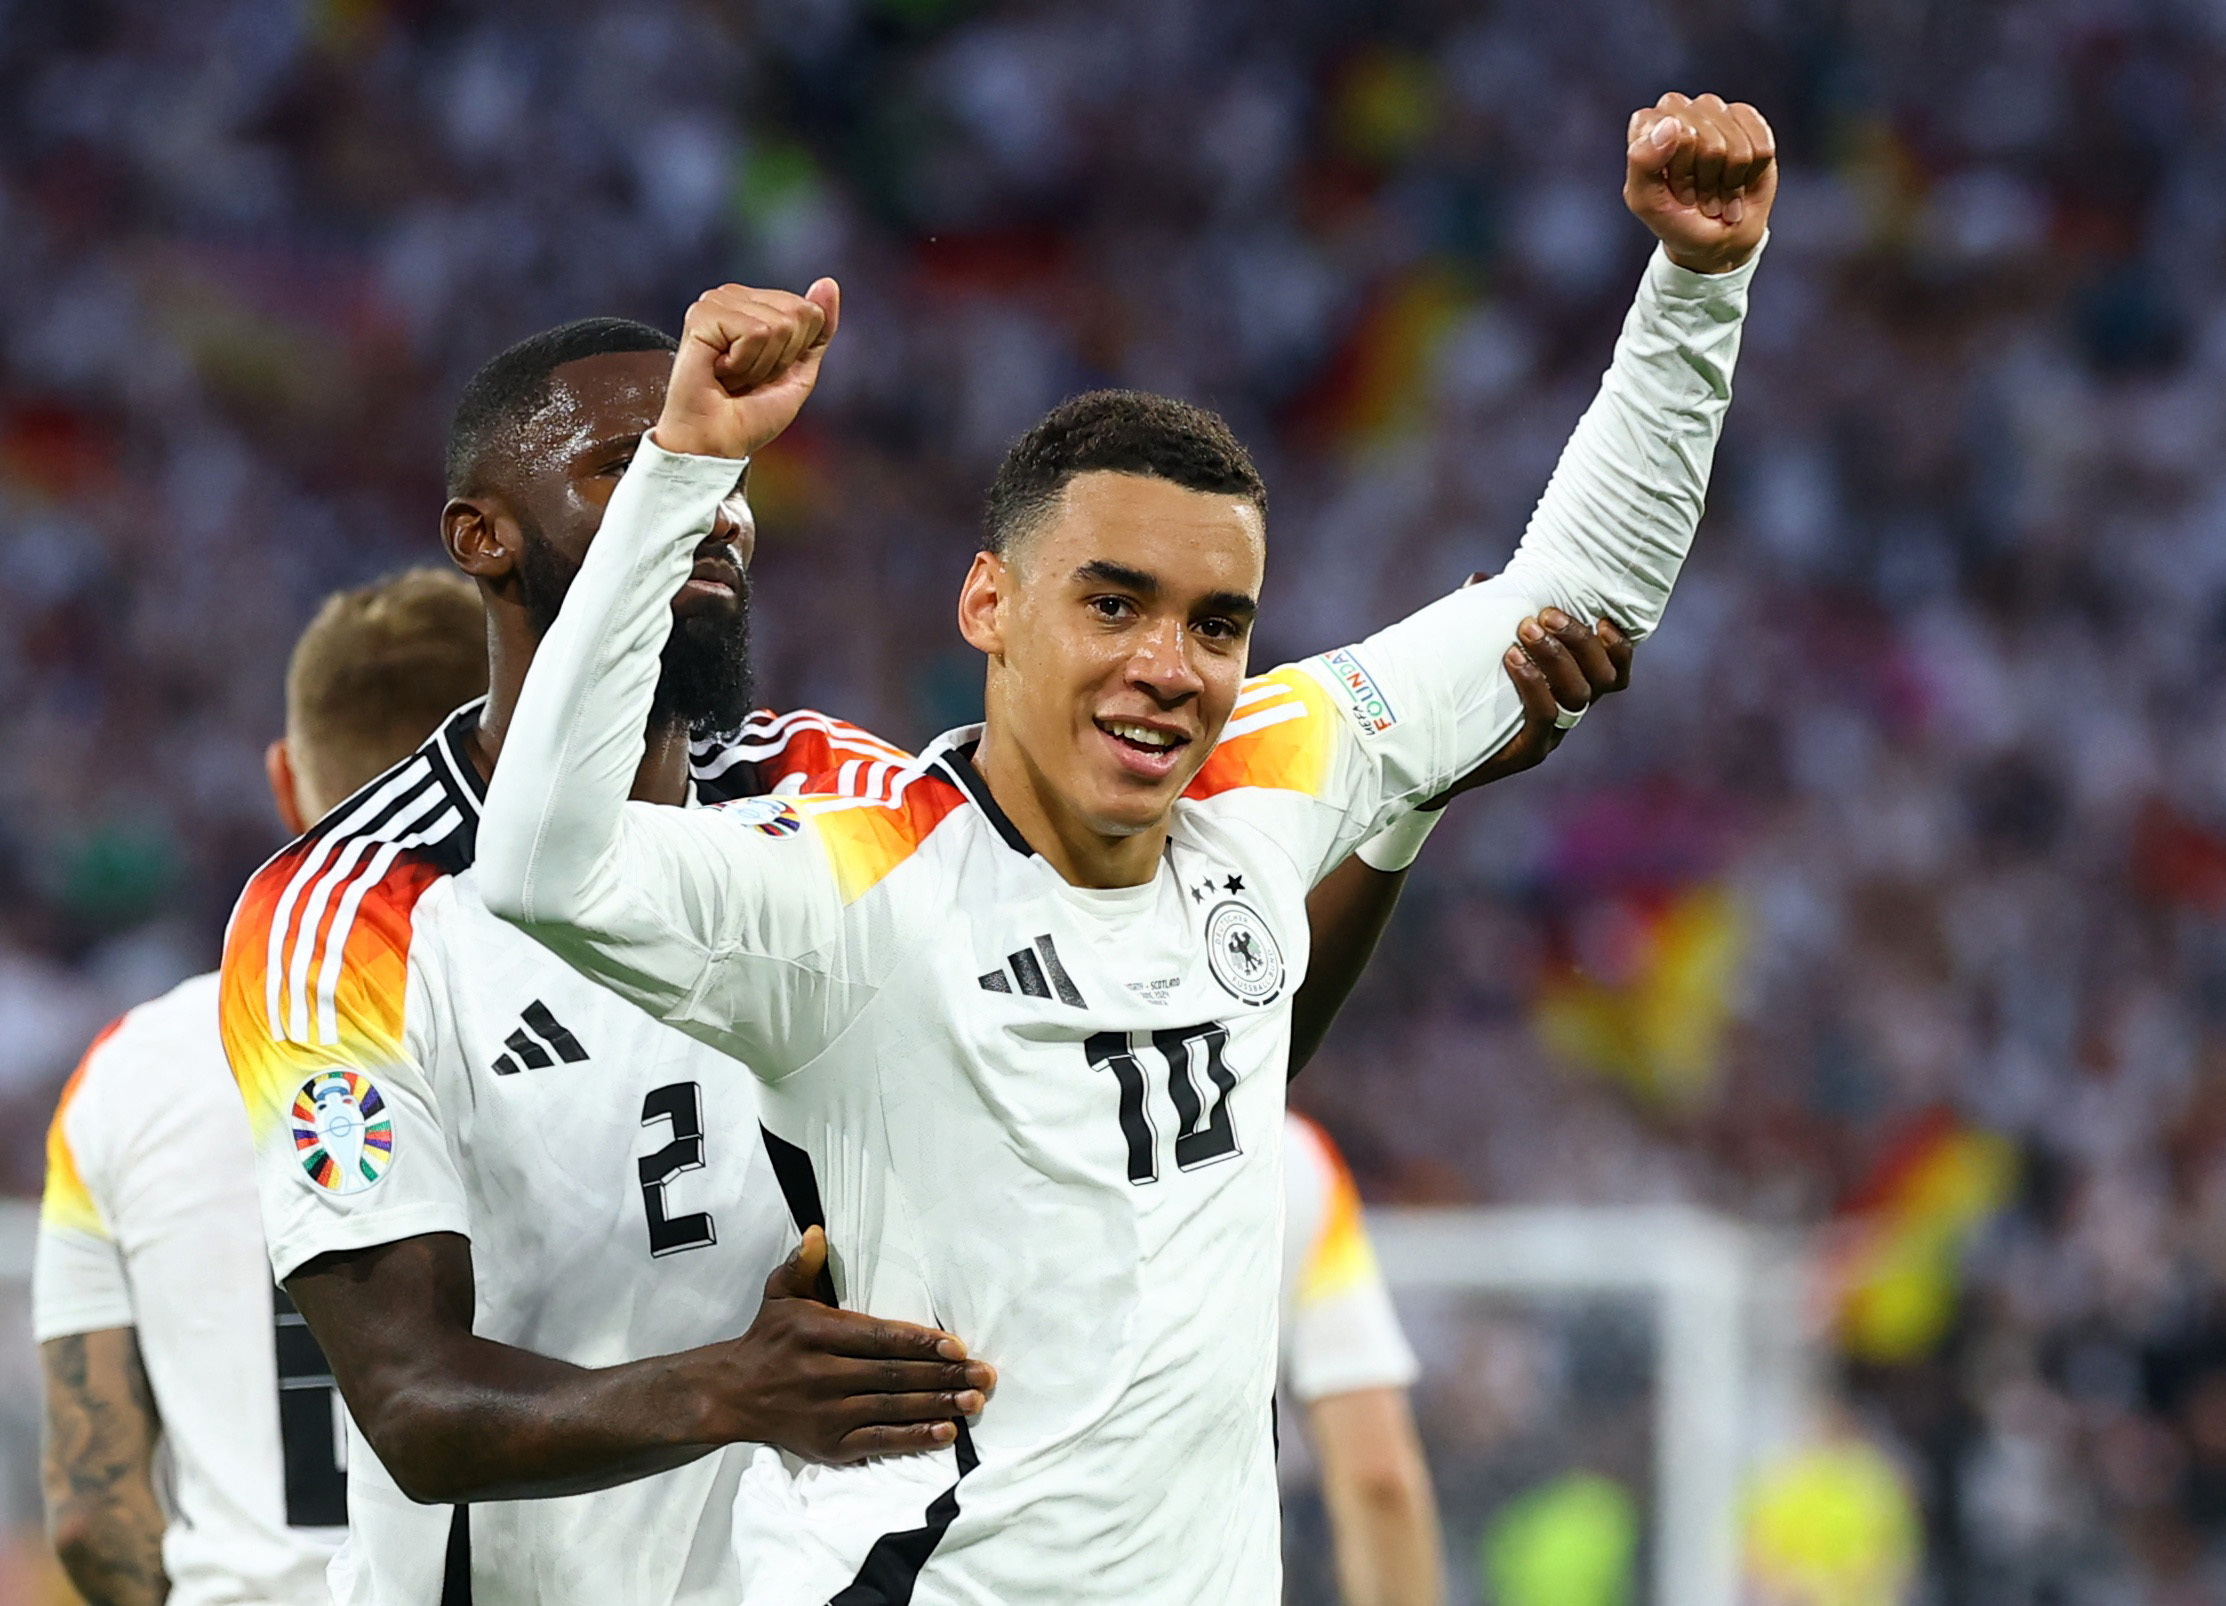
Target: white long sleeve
[[726, 933], [1607, 540], [577, 736]]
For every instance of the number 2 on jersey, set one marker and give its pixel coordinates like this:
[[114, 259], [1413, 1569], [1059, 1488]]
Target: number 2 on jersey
[[1202, 1136], [680, 1104]]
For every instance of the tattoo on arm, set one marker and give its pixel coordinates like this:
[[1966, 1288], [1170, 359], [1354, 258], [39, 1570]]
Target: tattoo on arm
[[97, 1464]]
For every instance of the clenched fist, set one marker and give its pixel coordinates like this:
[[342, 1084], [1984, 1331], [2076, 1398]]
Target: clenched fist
[[1702, 176], [747, 361]]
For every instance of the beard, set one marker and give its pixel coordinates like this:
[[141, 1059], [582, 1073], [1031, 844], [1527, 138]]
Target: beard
[[704, 675]]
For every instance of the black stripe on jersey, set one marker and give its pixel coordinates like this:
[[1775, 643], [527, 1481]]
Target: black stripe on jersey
[[892, 1567], [535, 1056], [450, 852], [406, 804], [1029, 974], [505, 1065], [454, 742], [995, 982], [958, 767], [466, 786], [792, 1169], [737, 778], [311, 1448], [551, 1031], [456, 1569], [1061, 982]]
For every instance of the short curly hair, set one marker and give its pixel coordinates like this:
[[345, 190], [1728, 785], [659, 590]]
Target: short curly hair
[[1117, 432], [513, 384]]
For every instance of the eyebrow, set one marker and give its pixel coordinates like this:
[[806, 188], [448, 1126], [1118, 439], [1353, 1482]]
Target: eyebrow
[[1104, 571], [604, 446], [1232, 602]]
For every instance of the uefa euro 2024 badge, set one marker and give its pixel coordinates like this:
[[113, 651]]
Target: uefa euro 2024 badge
[[342, 1132], [770, 816], [1242, 953]]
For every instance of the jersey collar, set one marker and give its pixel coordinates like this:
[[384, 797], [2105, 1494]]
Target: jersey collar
[[951, 756]]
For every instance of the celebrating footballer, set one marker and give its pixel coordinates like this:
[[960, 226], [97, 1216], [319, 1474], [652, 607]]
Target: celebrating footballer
[[1019, 1014]]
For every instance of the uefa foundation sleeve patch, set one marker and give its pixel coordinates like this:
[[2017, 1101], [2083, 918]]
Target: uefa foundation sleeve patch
[[342, 1132], [1371, 709]]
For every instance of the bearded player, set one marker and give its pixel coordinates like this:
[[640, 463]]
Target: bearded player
[[1021, 1020], [510, 1207]]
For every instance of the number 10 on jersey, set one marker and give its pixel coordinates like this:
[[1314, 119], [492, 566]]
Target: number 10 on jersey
[[1197, 1071]]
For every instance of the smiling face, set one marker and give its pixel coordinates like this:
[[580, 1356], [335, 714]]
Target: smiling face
[[1117, 632], [543, 496]]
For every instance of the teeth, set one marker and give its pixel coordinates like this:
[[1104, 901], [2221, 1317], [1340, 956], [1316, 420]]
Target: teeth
[[1142, 735]]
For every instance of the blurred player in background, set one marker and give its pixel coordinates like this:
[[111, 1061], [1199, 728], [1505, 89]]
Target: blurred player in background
[[152, 1296], [1347, 1362]]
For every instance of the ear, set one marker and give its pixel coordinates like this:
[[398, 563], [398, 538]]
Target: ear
[[981, 603], [481, 537], [278, 767]]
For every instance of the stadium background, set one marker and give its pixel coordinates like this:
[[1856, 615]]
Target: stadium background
[[1889, 908]]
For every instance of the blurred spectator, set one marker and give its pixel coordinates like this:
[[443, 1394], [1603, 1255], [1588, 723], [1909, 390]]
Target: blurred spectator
[[1946, 863]]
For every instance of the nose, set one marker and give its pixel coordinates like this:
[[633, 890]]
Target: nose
[[1161, 667], [736, 526]]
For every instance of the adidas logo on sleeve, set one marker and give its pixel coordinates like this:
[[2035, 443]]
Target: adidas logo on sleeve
[[538, 1043]]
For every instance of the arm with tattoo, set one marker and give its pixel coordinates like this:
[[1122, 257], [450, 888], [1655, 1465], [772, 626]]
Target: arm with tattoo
[[97, 1465]]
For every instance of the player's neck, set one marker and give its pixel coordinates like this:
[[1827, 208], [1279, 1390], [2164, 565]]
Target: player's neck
[[1082, 856], [662, 778]]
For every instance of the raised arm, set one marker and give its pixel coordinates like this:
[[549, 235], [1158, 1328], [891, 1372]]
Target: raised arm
[[553, 823], [1429, 697], [639, 897]]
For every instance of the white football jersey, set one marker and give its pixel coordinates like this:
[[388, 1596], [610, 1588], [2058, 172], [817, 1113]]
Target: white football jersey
[[413, 1065], [1047, 1117], [149, 1221], [1340, 1332]]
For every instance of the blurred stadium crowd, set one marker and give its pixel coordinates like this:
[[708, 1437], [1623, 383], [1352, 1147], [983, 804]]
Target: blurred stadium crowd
[[1890, 903]]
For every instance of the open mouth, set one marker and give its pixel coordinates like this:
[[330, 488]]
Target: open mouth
[[1147, 750]]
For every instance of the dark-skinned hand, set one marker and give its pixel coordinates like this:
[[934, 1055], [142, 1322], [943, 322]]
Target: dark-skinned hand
[[1556, 665], [838, 1386]]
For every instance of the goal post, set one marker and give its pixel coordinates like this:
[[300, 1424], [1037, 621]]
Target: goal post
[[1727, 1361]]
